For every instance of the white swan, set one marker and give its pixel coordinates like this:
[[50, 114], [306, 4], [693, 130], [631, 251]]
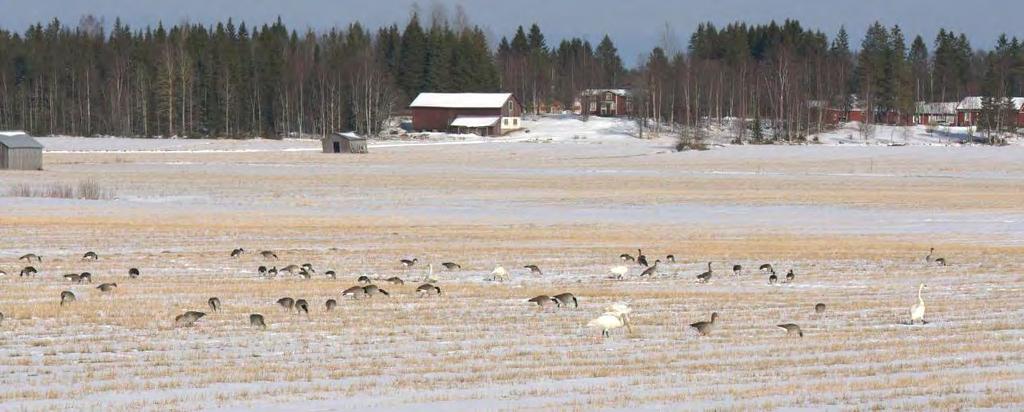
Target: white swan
[[615, 316], [499, 274], [917, 311], [430, 274], [619, 271]]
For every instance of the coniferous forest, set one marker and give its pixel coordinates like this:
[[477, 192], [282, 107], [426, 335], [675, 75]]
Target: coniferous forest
[[236, 80]]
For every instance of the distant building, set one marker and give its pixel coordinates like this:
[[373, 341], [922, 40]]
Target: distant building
[[486, 114], [935, 113], [345, 143], [969, 110], [604, 102], [19, 151]]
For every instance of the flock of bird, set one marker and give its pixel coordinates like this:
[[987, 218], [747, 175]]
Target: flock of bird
[[615, 316]]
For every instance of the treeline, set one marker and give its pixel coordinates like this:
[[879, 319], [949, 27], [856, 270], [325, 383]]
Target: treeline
[[228, 80]]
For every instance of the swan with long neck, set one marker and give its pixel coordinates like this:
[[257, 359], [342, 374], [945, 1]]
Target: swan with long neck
[[917, 311]]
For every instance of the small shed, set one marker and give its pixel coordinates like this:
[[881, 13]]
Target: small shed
[[19, 151], [345, 143]]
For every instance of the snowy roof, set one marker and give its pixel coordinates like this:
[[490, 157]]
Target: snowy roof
[[620, 92], [974, 103], [350, 136], [936, 108], [18, 140], [474, 121], [461, 100]]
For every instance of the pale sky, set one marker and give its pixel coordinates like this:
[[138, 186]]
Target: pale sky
[[635, 25]]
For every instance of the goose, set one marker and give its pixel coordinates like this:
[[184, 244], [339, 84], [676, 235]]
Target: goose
[[74, 277], [651, 271], [619, 271], [268, 254], [3, 273], [409, 263], [331, 274], [256, 321], [286, 303], [564, 299], [640, 258], [188, 319], [354, 292], [395, 280], [1, 317], [85, 276], [499, 274], [772, 279], [90, 256], [792, 328], [940, 261], [737, 269], [371, 290], [706, 276], [28, 271], [790, 276], [308, 267], [768, 268], [534, 269], [545, 301], [133, 273], [304, 274], [626, 257], [272, 273], [66, 297], [929, 257], [363, 279], [670, 258], [31, 256], [428, 289], [917, 311], [237, 252], [214, 303], [704, 328], [302, 306], [262, 271], [290, 269], [330, 304], [819, 308], [450, 266], [106, 287]]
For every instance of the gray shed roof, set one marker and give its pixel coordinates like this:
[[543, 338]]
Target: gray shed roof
[[19, 141]]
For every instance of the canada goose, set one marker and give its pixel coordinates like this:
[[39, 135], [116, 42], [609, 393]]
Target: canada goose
[[86, 276], [819, 308], [792, 328], [929, 257], [395, 280], [427, 289], [363, 279], [133, 273], [330, 304], [499, 274], [790, 276], [408, 263], [304, 274], [917, 311], [90, 256], [565, 298], [736, 269], [262, 271], [256, 321], [940, 261], [619, 271], [331, 274], [670, 258], [626, 257], [302, 306], [706, 276], [106, 287], [773, 279], [31, 256], [640, 258], [290, 269], [450, 266], [651, 271], [189, 318], [28, 271], [371, 290], [74, 277], [267, 254], [704, 328], [214, 303], [768, 268], [544, 301], [308, 267], [237, 252], [355, 292], [286, 303], [66, 297], [272, 273], [534, 269]]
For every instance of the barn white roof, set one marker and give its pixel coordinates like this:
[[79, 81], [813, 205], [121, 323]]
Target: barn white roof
[[461, 100], [936, 108], [474, 121], [974, 103]]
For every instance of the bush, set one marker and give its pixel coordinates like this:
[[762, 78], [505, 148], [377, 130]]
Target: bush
[[86, 189]]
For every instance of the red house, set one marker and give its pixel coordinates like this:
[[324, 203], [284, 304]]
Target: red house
[[969, 110], [604, 102], [935, 113], [485, 114]]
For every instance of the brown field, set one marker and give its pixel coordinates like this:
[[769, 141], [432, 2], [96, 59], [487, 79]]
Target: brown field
[[854, 224]]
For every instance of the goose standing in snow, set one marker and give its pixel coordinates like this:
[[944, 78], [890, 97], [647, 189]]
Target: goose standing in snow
[[767, 267], [354, 292], [790, 276], [395, 280], [819, 308], [737, 269], [792, 328], [106, 287], [363, 279], [917, 311], [286, 303], [237, 252], [268, 254], [409, 263], [704, 328], [706, 276], [428, 289], [188, 319], [565, 298], [27, 271], [626, 257], [640, 258], [330, 304], [214, 304], [30, 257], [66, 297], [544, 301], [371, 290], [256, 321], [773, 279], [652, 270], [133, 273], [451, 266], [534, 269], [90, 256], [670, 258], [302, 306]]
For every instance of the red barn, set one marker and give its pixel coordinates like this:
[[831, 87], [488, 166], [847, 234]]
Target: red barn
[[486, 114], [969, 110]]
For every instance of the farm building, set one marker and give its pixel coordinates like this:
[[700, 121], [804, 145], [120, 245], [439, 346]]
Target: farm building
[[935, 113], [486, 114], [969, 110], [19, 151], [345, 143], [604, 102]]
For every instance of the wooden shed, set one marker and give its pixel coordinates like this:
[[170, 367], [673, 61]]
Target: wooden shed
[[19, 151], [345, 143]]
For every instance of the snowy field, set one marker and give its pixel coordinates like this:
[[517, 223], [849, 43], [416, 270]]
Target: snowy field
[[854, 222]]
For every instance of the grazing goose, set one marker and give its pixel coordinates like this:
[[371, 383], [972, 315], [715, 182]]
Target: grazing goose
[[670, 258], [792, 328], [262, 271], [106, 287], [268, 254], [564, 299], [66, 297], [395, 280], [272, 273], [304, 274], [86, 276], [331, 274], [133, 273], [30, 257], [773, 279], [499, 274], [308, 268], [706, 276], [428, 289], [290, 269], [544, 301], [214, 303], [409, 263], [354, 292], [704, 328], [90, 256], [940, 261], [917, 311], [640, 258], [737, 269], [74, 277], [302, 306], [790, 276], [371, 290], [767, 267], [534, 269], [819, 308], [256, 321], [28, 271], [626, 257], [651, 271], [330, 304], [450, 266], [188, 319], [363, 279], [237, 252], [286, 303], [619, 271]]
